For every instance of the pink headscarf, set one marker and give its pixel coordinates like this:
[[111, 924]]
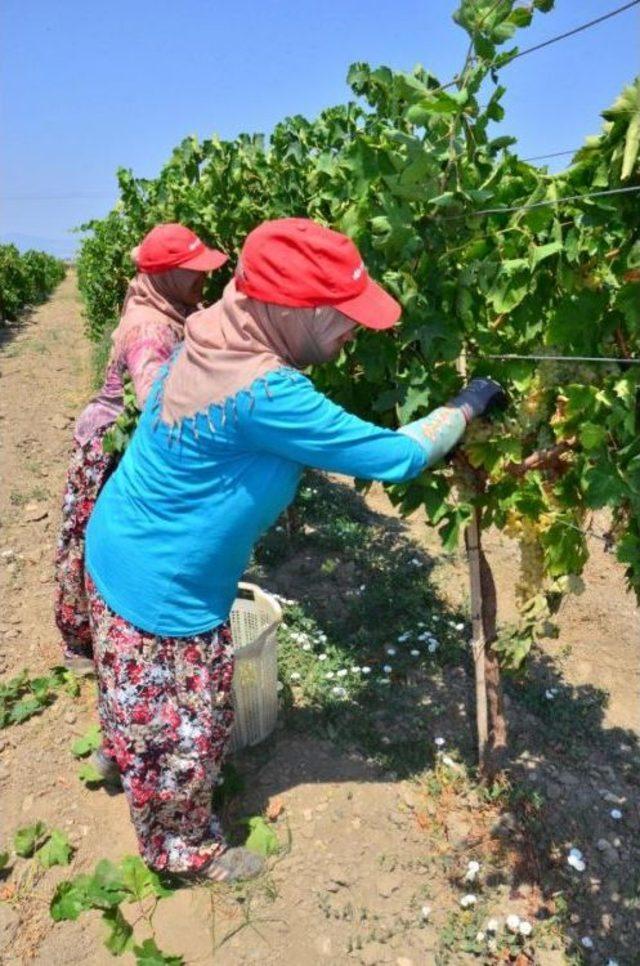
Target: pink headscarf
[[165, 299], [230, 344]]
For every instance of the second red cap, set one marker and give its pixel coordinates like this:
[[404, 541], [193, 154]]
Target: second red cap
[[175, 246]]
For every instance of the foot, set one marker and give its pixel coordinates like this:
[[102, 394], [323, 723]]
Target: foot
[[81, 665], [233, 865], [109, 771]]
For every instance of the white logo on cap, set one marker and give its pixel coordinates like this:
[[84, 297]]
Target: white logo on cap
[[357, 272], [194, 244]]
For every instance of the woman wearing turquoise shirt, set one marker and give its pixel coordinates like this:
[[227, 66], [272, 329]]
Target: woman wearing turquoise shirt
[[216, 458]]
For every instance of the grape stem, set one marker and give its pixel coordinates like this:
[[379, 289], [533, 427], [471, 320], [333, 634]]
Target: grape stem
[[542, 459]]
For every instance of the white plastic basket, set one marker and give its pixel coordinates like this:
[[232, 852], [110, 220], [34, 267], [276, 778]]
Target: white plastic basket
[[255, 616]]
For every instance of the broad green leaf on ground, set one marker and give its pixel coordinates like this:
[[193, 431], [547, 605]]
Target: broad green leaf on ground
[[89, 774], [88, 742], [261, 839], [57, 850], [4, 860], [120, 936], [105, 888], [28, 839], [141, 881], [70, 899], [148, 954]]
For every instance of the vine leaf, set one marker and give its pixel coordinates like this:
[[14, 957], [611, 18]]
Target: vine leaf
[[148, 954], [57, 850]]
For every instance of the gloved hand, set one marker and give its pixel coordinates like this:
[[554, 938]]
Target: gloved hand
[[478, 397]]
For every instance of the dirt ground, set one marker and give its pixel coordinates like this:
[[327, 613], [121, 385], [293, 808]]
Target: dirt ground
[[366, 852]]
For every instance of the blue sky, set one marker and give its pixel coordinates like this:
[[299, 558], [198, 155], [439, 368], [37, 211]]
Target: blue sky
[[89, 85]]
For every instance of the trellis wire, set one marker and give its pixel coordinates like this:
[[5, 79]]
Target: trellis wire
[[631, 189], [576, 30], [512, 356]]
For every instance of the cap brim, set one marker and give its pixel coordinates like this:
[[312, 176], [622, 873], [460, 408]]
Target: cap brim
[[206, 261], [374, 308]]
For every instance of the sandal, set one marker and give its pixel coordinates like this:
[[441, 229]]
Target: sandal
[[233, 865]]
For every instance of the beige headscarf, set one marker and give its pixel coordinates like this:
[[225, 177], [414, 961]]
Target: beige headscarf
[[239, 339], [166, 299]]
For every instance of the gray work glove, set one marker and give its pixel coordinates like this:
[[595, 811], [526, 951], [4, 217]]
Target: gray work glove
[[478, 397]]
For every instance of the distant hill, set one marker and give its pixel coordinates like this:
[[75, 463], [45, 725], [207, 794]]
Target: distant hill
[[60, 247]]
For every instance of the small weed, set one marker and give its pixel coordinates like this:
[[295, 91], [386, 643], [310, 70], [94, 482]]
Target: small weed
[[22, 497], [22, 697]]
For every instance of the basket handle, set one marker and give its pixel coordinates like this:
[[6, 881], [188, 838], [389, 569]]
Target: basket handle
[[247, 591]]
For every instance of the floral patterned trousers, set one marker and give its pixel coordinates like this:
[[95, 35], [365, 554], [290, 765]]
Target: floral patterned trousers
[[89, 468], [166, 715]]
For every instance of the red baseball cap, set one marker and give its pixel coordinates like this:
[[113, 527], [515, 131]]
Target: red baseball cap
[[174, 246], [297, 262]]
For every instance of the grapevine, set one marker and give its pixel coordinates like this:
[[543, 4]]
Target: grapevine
[[26, 279]]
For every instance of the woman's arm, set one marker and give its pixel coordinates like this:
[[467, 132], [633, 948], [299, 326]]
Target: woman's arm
[[292, 419], [145, 351]]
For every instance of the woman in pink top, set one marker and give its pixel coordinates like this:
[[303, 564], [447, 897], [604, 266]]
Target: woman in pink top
[[172, 266]]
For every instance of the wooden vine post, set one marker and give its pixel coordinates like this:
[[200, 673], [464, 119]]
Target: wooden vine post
[[490, 720], [491, 724]]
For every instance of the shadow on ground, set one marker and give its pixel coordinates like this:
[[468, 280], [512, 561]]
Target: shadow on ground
[[572, 783]]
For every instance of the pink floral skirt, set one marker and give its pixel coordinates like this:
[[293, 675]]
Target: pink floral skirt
[[89, 469], [166, 716]]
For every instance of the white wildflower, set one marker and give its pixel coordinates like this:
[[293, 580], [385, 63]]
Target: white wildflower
[[366, 670], [460, 627], [391, 651], [473, 868], [480, 937], [387, 669], [525, 928], [415, 653], [322, 657], [576, 861], [415, 562], [342, 673], [440, 742], [432, 647], [493, 925], [306, 647], [587, 942], [295, 676], [425, 912], [468, 900], [513, 922], [339, 692], [355, 670], [329, 676], [616, 814]]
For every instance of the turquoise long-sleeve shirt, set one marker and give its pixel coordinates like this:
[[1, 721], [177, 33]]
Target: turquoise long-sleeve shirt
[[172, 531]]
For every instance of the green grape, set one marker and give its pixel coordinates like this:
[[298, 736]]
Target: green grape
[[531, 575]]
